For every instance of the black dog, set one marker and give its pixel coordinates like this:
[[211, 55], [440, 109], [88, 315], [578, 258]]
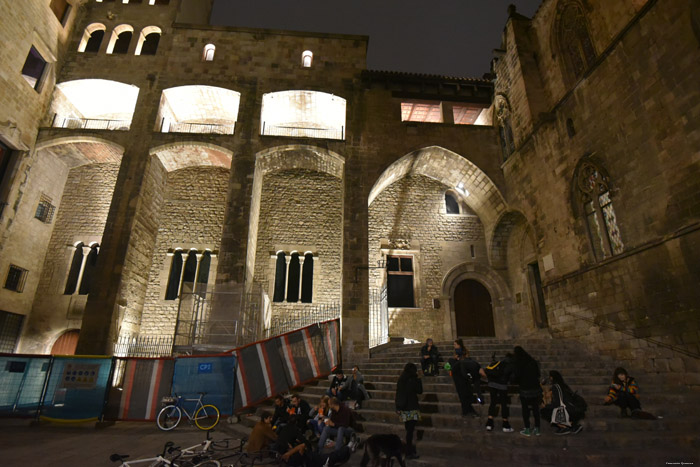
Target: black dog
[[385, 445]]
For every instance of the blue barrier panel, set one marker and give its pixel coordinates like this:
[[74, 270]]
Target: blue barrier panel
[[212, 374], [77, 388], [22, 380]]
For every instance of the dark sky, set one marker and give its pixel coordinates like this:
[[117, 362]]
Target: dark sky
[[447, 37]]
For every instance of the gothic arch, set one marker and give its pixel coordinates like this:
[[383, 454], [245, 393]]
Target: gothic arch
[[507, 223], [571, 39], [453, 170]]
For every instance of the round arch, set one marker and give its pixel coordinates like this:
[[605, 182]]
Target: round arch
[[180, 155], [65, 343], [299, 156], [497, 288], [79, 150]]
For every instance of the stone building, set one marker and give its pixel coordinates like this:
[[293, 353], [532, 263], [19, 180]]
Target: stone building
[[152, 163]]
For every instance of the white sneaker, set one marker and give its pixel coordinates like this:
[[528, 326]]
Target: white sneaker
[[354, 441]]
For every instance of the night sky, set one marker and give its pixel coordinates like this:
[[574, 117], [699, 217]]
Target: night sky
[[446, 37]]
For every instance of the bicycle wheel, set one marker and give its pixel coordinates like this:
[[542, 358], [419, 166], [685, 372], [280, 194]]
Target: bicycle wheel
[[169, 417], [206, 417]]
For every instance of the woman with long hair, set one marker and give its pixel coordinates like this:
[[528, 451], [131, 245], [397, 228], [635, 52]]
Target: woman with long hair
[[408, 388], [318, 414], [562, 394], [527, 375]]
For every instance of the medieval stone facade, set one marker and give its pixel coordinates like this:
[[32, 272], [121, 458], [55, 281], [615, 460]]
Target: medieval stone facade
[[148, 155]]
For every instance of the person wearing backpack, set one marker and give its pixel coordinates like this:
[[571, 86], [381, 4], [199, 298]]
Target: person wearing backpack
[[499, 374], [574, 405]]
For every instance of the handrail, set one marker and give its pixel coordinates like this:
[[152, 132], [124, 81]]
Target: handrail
[[303, 132], [632, 334], [202, 128], [90, 123]]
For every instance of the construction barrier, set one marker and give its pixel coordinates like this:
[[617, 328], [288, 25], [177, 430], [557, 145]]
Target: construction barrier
[[77, 388], [22, 381], [210, 374], [275, 365], [144, 382]]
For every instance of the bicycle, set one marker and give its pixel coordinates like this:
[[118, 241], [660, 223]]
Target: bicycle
[[162, 461], [205, 417]]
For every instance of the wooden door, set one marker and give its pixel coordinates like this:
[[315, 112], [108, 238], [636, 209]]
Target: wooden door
[[66, 343], [473, 310]]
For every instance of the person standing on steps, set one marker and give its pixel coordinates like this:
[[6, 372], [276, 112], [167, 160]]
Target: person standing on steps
[[499, 374], [461, 378], [527, 375], [430, 356], [408, 388], [623, 393]]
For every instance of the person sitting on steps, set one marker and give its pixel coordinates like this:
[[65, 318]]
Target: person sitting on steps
[[623, 393], [337, 424], [429, 358], [339, 386], [356, 387], [562, 393]]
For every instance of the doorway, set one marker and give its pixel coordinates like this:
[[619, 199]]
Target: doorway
[[66, 343], [473, 309], [539, 311]]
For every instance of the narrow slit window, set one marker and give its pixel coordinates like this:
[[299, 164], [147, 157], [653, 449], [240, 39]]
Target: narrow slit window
[[74, 272], [89, 270], [280, 277], [174, 278], [293, 279], [307, 279], [208, 53], [203, 273], [190, 273], [307, 58], [451, 204]]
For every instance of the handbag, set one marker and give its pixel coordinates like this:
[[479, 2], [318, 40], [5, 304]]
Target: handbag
[[560, 416]]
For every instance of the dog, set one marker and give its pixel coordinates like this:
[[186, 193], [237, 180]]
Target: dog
[[382, 448]]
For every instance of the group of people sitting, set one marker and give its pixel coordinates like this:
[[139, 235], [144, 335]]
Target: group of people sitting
[[302, 434], [550, 398]]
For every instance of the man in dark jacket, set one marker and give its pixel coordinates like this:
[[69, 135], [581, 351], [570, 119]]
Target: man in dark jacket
[[430, 356], [301, 409], [499, 374], [281, 414], [337, 384], [461, 377], [337, 425], [470, 370]]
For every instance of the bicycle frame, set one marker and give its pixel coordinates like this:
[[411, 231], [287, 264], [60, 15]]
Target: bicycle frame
[[181, 405]]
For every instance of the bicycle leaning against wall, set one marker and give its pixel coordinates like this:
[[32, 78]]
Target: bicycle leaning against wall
[[205, 416]]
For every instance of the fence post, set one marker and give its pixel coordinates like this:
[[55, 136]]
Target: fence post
[[45, 388]]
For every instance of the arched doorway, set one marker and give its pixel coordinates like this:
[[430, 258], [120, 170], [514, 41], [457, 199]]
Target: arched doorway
[[473, 310], [66, 343]]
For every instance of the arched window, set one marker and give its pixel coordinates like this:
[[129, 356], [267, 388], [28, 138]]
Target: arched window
[[307, 279], [451, 204], [120, 40], [293, 278], [505, 132], [74, 272], [190, 273], [203, 273], [307, 58], [574, 41], [173, 288], [593, 195], [208, 52], [148, 41], [92, 38], [280, 277], [89, 270]]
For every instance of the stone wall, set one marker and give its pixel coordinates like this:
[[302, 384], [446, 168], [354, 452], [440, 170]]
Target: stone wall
[[301, 210], [191, 217], [412, 209], [80, 217]]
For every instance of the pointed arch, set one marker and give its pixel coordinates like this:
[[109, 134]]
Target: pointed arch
[[573, 40]]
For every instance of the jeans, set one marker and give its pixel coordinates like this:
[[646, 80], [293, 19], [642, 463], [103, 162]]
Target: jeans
[[498, 396], [340, 433], [530, 404]]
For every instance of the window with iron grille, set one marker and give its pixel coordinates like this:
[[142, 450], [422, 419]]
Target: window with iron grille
[[16, 276], [45, 210], [10, 328], [399, 270]]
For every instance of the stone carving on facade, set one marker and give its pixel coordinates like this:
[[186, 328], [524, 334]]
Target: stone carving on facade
[[400, 244]]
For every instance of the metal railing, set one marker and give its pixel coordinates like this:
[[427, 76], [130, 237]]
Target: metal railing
[[378, 317], [90, 123], [143, 346], [301, 132], [306, 316], [202, 128]]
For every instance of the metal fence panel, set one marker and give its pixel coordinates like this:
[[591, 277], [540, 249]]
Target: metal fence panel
[[144, 382], [22, 380], [77, 388], [213, 374]]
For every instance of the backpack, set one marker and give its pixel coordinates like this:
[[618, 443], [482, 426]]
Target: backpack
[[494, 371]]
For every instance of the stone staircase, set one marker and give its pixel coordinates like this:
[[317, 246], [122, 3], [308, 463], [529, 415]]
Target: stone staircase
[[445, 438]]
